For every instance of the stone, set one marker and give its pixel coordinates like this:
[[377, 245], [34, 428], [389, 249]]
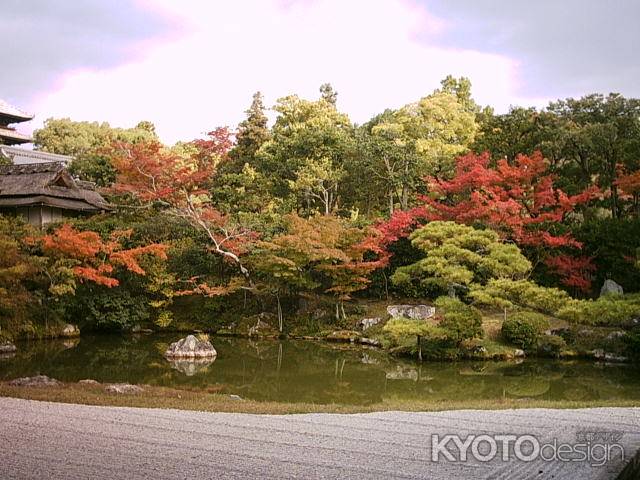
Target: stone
[[37, 381], [261, 328], [124, 388], [369, 341], [414, 312], [191, 366], [366, 323], [616, 335], [7, 347], [610, 287], [480, 350], [70, 330], [235, 397], [190, 347], [343, 336], [88, 381], [519, 353], [600, 354], [139, 330]]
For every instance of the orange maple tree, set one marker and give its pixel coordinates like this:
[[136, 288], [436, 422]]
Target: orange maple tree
[[94, 259]]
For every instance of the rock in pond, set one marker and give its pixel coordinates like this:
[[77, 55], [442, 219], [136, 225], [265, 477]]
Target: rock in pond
[[7, 347], [124, 388], [414, 312], [70, 330], [610, 287], [191, 366], [190, 347], [37, 381]]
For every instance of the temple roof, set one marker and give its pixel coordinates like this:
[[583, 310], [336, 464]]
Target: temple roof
[[13, 114], [47, 184], [21, 156], [10, 137]]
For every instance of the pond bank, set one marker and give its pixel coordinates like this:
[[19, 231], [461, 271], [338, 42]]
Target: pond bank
[[68, 441]]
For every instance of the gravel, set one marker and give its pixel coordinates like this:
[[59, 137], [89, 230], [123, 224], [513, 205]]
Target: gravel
[[41, 440]]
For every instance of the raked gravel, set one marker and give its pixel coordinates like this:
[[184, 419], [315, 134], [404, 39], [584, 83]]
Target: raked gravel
[[42, 440]]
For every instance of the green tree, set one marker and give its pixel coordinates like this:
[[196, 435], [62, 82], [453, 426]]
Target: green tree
[[458, 256], [328, 94], [308, 138], [89, 143]]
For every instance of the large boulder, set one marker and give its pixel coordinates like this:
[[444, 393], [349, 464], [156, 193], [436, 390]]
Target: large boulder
[[415, 312], [190, 347], [7, 347], [70, 330], [37, 381], [610, 287]]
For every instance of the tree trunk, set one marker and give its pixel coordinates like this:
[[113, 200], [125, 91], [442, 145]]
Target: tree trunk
[[280, 318], [390, 201], [419, 347]]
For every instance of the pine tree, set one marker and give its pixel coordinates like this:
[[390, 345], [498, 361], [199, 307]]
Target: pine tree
[[252, 133]]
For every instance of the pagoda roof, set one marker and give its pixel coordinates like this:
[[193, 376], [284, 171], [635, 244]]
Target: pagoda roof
[[22, 156], [10, 137], [13, 113]]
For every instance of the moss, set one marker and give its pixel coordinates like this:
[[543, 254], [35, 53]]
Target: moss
[[160, 397]]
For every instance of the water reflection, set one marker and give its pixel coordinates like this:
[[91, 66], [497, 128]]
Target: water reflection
[[317, 372]]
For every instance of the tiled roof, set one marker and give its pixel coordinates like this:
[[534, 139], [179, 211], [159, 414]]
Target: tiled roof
[[20, 156], [13, 112]]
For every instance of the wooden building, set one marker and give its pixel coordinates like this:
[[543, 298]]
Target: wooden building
[[8, 116], [46, 192]]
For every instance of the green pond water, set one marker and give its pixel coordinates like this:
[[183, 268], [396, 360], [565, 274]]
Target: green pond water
[[303, 371]]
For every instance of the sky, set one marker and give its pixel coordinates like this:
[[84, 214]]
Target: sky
[[192, 65]]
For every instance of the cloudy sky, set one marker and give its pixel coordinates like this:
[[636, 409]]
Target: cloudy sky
[[191, 65]]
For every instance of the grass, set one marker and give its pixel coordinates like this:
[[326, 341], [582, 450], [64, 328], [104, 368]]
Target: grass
[[160, 397]]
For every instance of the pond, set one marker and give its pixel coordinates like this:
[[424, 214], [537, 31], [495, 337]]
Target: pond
[[316, 372]]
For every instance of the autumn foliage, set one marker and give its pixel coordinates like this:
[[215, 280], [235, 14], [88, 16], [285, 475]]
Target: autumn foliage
[[94, 259], [519, 201]]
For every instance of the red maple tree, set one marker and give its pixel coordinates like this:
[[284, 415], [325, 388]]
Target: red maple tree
[[519, 201], [180, 182]]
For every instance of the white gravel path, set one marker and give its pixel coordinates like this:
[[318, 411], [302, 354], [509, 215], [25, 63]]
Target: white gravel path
[[42, 440]]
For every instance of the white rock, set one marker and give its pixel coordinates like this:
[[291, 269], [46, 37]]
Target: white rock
[[415, 312], [191, 347], [37, 381], [124, 388], [366, 323], [7, 347]]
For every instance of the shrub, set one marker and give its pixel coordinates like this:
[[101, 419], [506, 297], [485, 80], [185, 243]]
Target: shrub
[[524, 328], [506, 293], [400, 328], [460, 321], [608, 310], [551, 345], [109, 309]]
